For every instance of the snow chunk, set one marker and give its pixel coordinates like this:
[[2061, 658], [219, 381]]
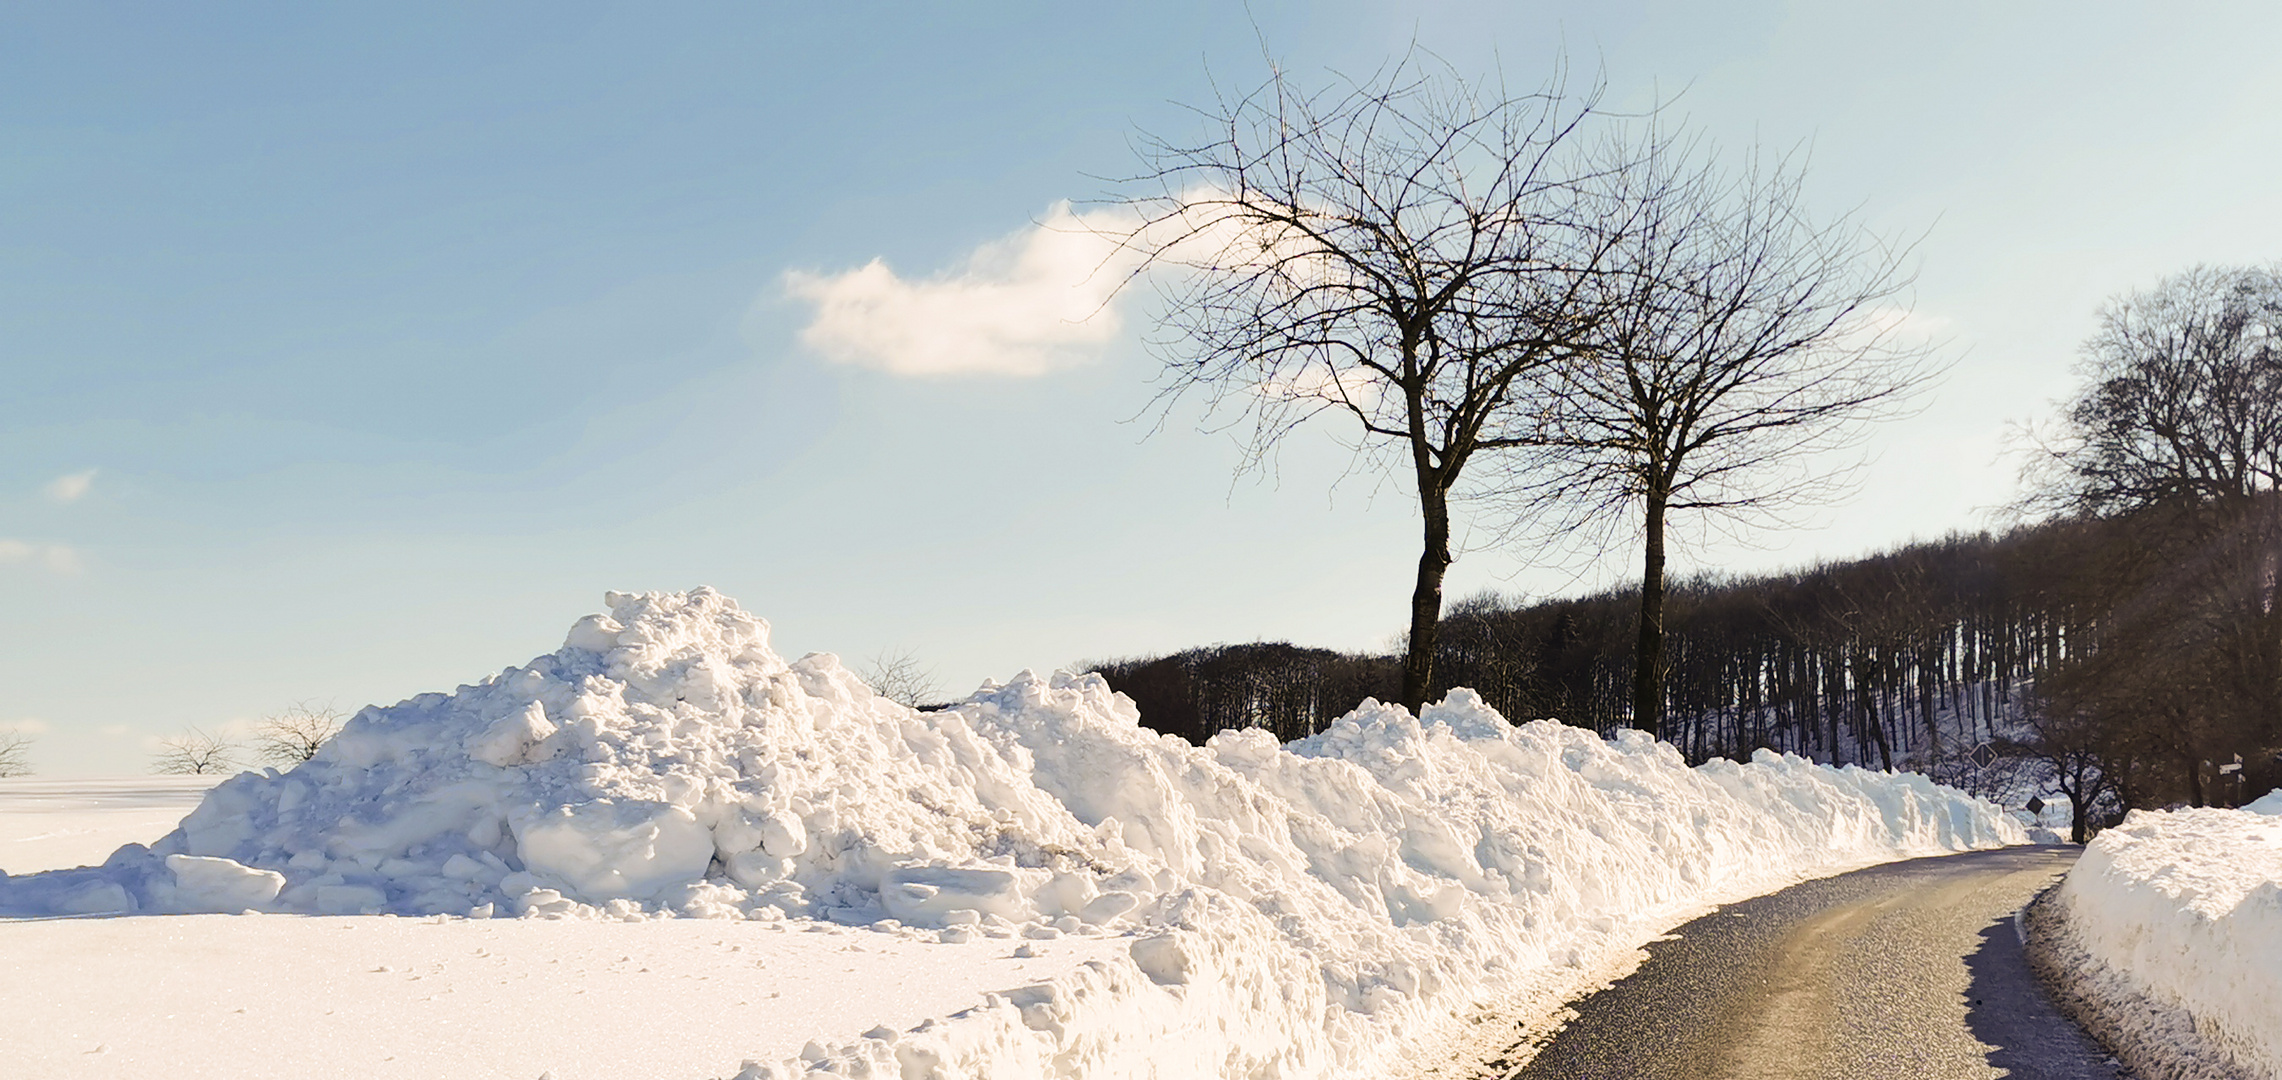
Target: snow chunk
[[212, 884], [512, 739], [605, 850]]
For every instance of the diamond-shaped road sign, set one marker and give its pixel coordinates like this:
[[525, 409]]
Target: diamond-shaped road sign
[[2035, 805], [1982, 756]]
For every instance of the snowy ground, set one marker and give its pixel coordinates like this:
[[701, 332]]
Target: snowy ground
[[232, 997], [1026, 884], [192, 997], [2172, 926]]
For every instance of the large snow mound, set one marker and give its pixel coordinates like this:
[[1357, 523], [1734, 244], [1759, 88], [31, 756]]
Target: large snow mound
[[1296, 910], [2178, 914]]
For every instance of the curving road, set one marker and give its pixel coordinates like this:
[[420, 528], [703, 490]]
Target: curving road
[[1910, 970]]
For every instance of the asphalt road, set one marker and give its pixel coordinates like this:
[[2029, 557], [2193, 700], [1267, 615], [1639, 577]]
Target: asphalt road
[[1908, 971]]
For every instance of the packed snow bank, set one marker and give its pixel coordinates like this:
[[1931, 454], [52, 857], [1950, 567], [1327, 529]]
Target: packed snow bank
[[2170, 931], [1294, 910]]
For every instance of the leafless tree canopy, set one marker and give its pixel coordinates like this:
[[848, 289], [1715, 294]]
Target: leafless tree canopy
[[1738, 341], [899, 677], [2180, 398], [1402, 251], [194, 752], [15, 754], [293, 736]]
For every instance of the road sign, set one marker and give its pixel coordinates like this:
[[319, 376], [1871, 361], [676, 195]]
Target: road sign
[[1982, 756], [2035, 805]]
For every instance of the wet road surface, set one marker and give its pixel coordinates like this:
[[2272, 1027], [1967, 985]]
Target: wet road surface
[[1907, 971]]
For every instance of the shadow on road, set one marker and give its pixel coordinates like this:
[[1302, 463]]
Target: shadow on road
[[2008, 1010]]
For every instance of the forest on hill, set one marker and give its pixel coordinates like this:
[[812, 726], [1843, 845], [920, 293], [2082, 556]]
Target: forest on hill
[[2095, 655]]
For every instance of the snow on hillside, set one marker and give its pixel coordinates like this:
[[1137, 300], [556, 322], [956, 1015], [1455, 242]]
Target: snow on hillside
[[1310, 909], [2172, 922]]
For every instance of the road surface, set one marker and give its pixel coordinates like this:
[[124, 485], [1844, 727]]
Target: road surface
[[1908, 971]]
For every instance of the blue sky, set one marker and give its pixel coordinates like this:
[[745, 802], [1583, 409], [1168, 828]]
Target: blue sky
[[353, 353]]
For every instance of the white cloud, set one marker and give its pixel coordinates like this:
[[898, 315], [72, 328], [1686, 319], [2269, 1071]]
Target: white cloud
[[1032, 302], [70, 486], [59, 558], [26, 726], [1036, 300]]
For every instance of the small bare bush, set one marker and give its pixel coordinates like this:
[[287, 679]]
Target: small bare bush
[[898, 677], [194, 753], [15, 754], [291, 737]]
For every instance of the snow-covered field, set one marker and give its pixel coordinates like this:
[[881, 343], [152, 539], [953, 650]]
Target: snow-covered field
[[2173, 924], [816, 879], [49, 824]]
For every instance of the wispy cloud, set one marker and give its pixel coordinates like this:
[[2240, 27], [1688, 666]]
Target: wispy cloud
[[70, 486], [1035, 301], [60, 558], [27, 726]]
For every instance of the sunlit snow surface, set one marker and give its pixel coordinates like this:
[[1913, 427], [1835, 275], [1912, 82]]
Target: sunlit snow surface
[[2184, 909], [1322, 908], [223, 997]]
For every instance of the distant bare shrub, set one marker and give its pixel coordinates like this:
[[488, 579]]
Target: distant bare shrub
[[194, 753], [15, 754], [293, 736], [898, 677]]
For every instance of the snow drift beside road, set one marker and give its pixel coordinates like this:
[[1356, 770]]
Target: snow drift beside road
[[1295, 910], [2176, 919]]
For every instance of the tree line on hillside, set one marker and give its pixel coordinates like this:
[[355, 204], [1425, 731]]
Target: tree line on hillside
[[1909, 659], [1879, 661]]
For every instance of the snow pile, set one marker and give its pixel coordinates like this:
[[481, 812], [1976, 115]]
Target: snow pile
[[2173, 921], [1294, 910]]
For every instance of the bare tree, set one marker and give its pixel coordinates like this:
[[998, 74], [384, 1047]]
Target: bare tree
[[2174, 439], [15, 754], [899, 677], [1740, 342], [195, 752], [293, 736], [1401, 251]]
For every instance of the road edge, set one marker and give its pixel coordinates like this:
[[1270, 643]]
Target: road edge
[[2156, 1039]]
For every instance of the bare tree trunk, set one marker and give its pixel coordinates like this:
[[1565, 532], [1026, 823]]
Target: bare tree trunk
[[1648, 656], [1426, 597], [1875, 730]]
